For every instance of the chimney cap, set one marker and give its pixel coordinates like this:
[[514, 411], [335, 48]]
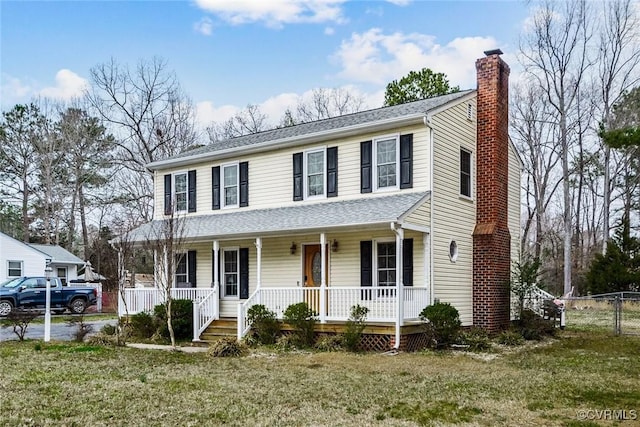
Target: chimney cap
[[493, 52]]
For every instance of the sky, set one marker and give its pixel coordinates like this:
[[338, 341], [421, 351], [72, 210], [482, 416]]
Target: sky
[[228, 54]]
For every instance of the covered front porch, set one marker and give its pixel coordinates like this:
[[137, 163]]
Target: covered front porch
[[335, 255]]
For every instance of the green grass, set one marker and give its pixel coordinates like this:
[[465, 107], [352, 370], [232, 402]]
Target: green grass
[[539, 384]]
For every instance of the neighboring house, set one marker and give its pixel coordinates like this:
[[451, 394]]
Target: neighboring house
[[420, 200], [29, 259]]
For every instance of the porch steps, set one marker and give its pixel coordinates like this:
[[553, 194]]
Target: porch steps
[[220, 328]]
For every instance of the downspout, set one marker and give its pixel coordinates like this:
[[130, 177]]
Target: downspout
[[258, 244], [323, 276], [427, 123], [399, 232]]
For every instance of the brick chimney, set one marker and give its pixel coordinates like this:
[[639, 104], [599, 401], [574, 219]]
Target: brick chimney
[[491, 238]]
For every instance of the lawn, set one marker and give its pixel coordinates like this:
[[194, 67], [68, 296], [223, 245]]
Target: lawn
[[548, 384]]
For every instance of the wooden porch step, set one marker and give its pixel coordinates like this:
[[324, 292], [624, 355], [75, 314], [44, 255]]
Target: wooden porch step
[[220, 328]]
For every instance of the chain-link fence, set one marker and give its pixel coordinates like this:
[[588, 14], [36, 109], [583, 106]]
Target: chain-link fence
[[617, 312]]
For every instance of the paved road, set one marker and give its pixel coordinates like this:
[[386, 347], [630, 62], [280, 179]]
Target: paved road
[[59, 331]]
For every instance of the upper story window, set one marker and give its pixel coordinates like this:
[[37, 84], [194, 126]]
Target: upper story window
[[180, 192], [465, 173], [14, 269], [315, 173], [386, 162], [231, 183]]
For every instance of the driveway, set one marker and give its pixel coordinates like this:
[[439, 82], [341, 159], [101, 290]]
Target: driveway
[[59, 331]]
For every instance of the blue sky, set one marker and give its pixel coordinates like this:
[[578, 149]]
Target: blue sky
[[228, 54]]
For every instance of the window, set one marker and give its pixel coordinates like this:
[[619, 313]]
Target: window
[[61, 272], [315, 173], [386, 258], [180, 192], [231, 184], [230, 273], [14, 268], [182, 275], [453, 251], [465, 173], [386, 162]]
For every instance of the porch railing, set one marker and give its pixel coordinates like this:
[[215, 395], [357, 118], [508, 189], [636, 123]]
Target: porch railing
[[534, 301], [204, 312], [380, 302], [137, 300]]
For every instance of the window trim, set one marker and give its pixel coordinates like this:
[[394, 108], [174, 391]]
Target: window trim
[[174, 193], [374, 162], [223, 293], [305, 176], [63, 279], [9, 268], [375, 283], [223, 198], [471, 183]]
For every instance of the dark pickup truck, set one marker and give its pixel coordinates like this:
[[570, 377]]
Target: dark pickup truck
[[30, 293]]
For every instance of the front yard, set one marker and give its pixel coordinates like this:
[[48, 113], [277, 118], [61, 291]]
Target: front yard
[[552, 383]]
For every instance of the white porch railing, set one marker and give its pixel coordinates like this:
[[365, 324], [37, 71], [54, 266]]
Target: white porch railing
[[380, 302], [138, 300], [534, 301], [204, 312]]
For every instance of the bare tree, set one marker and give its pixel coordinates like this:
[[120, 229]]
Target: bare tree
[[618, 60], [324, 103], [248, 121], [555, 55], [151, 116]]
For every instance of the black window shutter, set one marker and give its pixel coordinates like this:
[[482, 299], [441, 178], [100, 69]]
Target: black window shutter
[[244, 184], [407, 262], [297, 176], [191, 263], [406, 161], [215, 184], [244, 273], [365, 166], [366, 268], [167, 194], [192, 190], [332, 171]]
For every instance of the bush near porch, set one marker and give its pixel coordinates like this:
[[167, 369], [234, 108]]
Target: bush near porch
[[550, 383]]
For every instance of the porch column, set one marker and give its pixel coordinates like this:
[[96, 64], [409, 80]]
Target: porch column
[[426, 241], [399, 285], [216, 263], [258, 266], [323, 276]]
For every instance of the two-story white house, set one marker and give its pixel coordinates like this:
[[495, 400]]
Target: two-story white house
[[392, 209]]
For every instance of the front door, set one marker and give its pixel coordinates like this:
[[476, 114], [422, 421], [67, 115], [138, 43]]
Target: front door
[[312, 276]]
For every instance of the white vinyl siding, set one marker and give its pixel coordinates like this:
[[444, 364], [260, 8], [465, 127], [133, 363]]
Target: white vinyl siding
[[515, 206], [453, 216]]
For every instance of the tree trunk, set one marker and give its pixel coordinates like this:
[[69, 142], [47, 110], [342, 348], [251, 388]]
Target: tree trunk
[[83, 221]]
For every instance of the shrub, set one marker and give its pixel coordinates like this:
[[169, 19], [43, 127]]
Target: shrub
[[82, 328], [19, 320], [329, 343], [142, 325], [102, 339], [286, 342], [108, 329], [355, 326], [443, 324], [303, 320], [264, 325], [181, 319], [510, 337], [477, 339], [533, 327], [227, 347]]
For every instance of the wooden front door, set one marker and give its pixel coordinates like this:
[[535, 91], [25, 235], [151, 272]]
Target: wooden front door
[[312, 276]]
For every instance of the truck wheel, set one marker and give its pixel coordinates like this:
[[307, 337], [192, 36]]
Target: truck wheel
[[78, 306], [5, 308]]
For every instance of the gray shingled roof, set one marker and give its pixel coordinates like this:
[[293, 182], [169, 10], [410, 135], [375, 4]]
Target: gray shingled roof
[[299, 218], [334, 123], [58, 254]]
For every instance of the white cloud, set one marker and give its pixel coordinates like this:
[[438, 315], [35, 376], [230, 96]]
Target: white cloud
[[204, 26], [329, 31], [400, 2], [68, 85], [378, 58], [14, 88], [206, 112], [275, 13]]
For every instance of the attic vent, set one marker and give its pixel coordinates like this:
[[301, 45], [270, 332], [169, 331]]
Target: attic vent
[[469, 111]]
